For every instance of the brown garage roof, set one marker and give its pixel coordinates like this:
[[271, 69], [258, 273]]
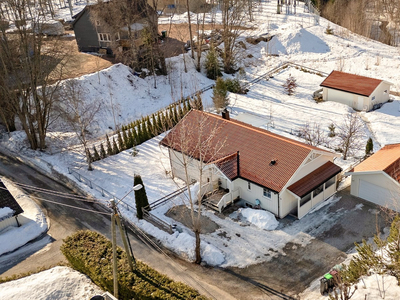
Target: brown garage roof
[[314, 179], [351, 83], [386, 159], [266, 159], [7, 200]]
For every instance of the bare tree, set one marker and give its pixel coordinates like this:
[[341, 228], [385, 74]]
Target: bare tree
[[32, 69], [233, 17], [350, 133], [313, 134], [79, 114], [193, 148]]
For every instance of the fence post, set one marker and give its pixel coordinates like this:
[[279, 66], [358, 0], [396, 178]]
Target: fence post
[[90, 184], [69, 171], [79, 177]]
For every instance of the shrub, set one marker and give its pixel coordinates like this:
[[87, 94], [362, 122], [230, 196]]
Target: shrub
[[233, 86], [91, 253]]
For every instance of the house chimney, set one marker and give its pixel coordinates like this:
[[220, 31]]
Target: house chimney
[[225, 114]]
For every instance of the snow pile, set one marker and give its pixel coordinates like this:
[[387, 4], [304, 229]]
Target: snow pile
[[53, 284], [261, 218], [32, 220], [5, 212]]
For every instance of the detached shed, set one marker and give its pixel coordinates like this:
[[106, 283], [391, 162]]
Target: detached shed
[[377, 179], [359, 92], [9, 208]]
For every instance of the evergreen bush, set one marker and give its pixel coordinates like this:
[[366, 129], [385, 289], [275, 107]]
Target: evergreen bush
[[369, 147], [96, 155], [91, 253], [140, 197], [109, 147], [212, 65], [220, 94], [115, 149], [103, 153]]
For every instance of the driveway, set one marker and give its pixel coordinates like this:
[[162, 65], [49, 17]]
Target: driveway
[[338, 226]]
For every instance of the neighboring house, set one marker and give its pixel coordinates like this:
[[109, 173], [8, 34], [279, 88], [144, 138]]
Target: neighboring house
[[377, 179], [95, 35], [9, 208], [265, 170], [359, 92]]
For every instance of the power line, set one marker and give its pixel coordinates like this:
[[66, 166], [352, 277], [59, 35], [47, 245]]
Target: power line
[[59, 194], [63, 204]]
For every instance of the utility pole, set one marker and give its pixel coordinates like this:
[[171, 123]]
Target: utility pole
[[115, 218]]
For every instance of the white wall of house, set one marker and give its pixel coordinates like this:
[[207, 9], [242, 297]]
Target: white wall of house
[[381, 94], [376, 187], [194, 168], [257, 192], [341, 97]]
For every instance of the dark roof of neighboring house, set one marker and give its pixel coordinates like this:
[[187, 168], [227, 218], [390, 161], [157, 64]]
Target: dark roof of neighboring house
[[265, 158], [7, 200], [387, 159], [351, 83], [317, 177]]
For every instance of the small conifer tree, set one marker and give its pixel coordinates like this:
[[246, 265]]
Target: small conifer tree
[[197, 102], [96, 155], [126, 139], [135, 137], [212, 64], [121, 145], [160, 126], [150, 128], [145, 132], [369, 147], [140, 197], [176, 116], [115, 149], [180, 112], [187, 106], [109, 147], [290, 85], [164, 120], [139, 134], [156, 130], [332, 130], [103, 153]]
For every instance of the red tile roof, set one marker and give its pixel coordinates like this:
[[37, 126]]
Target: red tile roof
[[257, 147], [229, 165], [351, 83], [386, 159], [314, 179]]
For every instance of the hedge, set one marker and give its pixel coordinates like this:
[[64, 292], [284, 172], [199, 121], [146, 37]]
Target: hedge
[[91, 253]]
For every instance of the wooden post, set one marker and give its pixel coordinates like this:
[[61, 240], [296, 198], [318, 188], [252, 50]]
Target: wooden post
[[114, 248]]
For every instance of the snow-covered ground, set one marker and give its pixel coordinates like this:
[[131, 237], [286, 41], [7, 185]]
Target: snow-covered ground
[[32, 220], [54, 284]]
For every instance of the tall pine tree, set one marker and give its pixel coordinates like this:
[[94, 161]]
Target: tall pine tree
[[103, 153], [115, 149], [126, 139], [121, 145], [96, 155]]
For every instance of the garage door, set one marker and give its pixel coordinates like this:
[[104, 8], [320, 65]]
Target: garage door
[[375, 194]]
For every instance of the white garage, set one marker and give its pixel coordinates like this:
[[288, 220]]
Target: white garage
[[377, 179], [359, 92]]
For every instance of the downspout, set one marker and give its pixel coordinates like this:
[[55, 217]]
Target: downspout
[[279, 206], [16, 219]]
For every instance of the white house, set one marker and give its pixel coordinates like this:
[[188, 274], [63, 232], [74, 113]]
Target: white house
[[359, 92], [9, 208], [236, 160], [377, 179]]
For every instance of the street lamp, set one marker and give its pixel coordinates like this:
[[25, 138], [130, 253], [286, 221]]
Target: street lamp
[[115, 218]]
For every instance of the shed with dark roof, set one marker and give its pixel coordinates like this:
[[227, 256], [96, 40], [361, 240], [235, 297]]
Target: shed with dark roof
[[359, 92], [252, 163], [9, 205], [377, 179]]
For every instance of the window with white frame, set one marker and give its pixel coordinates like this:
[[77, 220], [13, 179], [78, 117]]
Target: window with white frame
[[266, 193], [248, 185], [330, 182], [104, 37]]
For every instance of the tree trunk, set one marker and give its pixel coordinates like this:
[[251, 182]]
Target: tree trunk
[[190, 29], [197, 248]]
